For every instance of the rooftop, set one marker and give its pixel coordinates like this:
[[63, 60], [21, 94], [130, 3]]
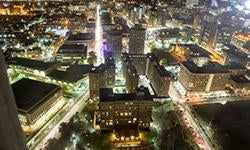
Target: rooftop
[[81, 37], [29, 94], [73, 48], [195, 49], [240, 79], [235, 66], [210, 67], [162, 71], [73, 74], [34, 64], [142, 94]]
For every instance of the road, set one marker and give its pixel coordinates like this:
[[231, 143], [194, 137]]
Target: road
[[221, 100], [77, 107], [98, 37], [197, 134]]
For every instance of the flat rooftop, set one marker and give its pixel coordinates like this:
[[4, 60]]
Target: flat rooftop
[[80, 37], [29, 94], [107, 95], [235, 66], [231, 123], [240, 79], [34, 64], [233, 52], [210, 67], [195, 49], [73, 74], [73, 48], [162, 71]]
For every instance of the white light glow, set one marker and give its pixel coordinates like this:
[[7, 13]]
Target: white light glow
[[247, 4]]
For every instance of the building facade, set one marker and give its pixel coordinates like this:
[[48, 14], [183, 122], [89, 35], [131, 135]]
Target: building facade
[[125, 109], [137, 40], [203, 78], [114, 43]]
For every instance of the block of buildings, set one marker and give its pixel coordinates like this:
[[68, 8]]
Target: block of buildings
[[125, 109], [36, 101], [72, 53], [137, 37], [32, 67], [203, 77]]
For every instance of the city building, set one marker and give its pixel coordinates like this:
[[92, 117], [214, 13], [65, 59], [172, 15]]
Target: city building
[[242, 41], [138, 60], [208, 32], [184, 52], [107, 75], [32, 67], [125, 109], [240, 84], [137, 39], [129, 73], [72, 53], [36, 105], [159, 77], [192, 3], [198, 76], [79, 38], [232, 54], [114, 43], [77, 22]]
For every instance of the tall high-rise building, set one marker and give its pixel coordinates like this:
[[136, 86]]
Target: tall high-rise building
[[208, 31], [11, 133], [114, 43], [137, 40]]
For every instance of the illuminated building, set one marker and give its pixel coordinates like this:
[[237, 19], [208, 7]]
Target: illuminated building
[[114, 43], [85, 75], [158, 76], [242, 41], [138, 60], [137, 40], [79, 38], [34, 104], [192, 3], [125, 109], [72, 53], [69, 78], [129, 73], [77, 22], [107, 75], [132, 78], [232, 54], [32, 67], [197, 22], [208, 31], [198, 76], [240, 84], [183, 52]]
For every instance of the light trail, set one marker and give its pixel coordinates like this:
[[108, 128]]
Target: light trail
[[98, 37], [77, 107]]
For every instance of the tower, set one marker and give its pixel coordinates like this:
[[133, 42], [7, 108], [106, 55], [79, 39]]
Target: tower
[[114, 43], [137, 40]]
